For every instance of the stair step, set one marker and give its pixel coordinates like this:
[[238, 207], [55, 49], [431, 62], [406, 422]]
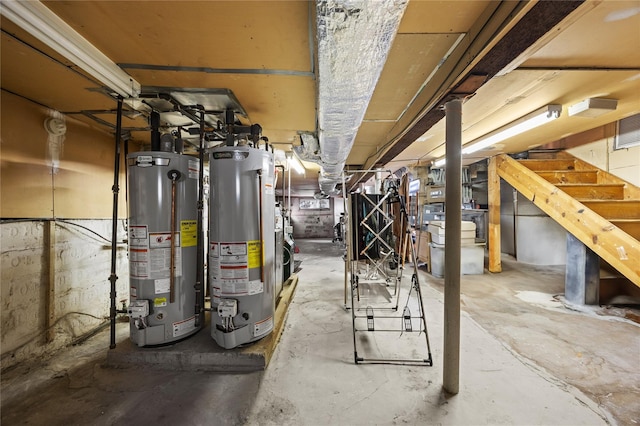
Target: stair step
[[630, 226], [547, 154], [579, 191], [609, 209], [618, 290], [549, 164], [569, 176]]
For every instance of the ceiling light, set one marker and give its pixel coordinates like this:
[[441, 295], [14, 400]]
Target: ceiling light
[[46, 26], [593, 107], [528, 122], [440, 162], [292, 161]]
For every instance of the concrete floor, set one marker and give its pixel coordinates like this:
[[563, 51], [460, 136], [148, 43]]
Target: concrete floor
[[525, 359]]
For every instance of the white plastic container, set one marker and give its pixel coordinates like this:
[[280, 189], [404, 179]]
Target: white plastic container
[[471, 259], [468, 234]]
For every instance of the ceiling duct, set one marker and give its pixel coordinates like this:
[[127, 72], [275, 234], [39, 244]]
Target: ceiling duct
[[309, 149], [354, 38]]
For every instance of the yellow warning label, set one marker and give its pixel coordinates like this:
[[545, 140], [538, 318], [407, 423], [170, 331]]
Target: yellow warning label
[[160, 301], [254, 251], [189, 233]]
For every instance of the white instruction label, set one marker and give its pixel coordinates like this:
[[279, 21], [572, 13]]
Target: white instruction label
[[162, 285], [138, 251], [194, 169], [263, 327], [139, 263], [230, 269], [160, 254], [184, 326], [256, 287]]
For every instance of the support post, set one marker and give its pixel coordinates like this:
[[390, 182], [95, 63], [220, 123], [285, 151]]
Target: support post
[[495, 262], [452, 243], [582, 275]]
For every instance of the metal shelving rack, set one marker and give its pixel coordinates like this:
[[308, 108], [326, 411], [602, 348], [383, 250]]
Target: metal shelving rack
[[378, 279]]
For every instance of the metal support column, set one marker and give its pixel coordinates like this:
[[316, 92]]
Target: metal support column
[[452, 234]]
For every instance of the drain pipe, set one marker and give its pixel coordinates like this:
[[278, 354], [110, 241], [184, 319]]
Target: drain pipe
[[452, 235], [114, 226]]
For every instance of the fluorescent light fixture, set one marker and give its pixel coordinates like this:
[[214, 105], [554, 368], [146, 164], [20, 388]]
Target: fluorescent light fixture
[[440, 162], [528, 122], [292, 161], [593, 107], [39, 21]]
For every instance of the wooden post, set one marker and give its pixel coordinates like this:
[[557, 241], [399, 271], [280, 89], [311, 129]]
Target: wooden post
[[495, 263]]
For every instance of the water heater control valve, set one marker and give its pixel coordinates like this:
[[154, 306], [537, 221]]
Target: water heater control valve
[[139, 309], [228, 308]]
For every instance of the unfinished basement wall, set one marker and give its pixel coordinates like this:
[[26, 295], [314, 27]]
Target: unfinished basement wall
[[312, 218], [56, 232], [527, 233], [624, 163], [598, 147]]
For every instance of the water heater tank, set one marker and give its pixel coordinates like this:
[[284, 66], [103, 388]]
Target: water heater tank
[[241, 244], [163, 192]]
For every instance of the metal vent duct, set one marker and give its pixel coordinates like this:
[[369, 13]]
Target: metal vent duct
[[354, 38]]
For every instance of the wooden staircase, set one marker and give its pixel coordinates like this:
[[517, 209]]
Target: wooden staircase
[[598, 208]]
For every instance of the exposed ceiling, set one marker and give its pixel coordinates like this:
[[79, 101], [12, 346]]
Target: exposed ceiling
[[505, 59]]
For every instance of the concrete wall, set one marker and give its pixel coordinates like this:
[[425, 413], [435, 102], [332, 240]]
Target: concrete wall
[[312, 223], [624, 163], [65, 287], [75, 284], [527, 233]]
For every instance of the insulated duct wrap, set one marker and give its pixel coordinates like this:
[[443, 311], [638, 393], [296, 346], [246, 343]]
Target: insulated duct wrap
[[354, 38]]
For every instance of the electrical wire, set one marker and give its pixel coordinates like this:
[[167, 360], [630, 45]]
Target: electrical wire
[[68, 222], [43, 331]]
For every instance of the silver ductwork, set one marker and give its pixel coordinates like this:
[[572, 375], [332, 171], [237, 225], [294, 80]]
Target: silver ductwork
[[354, 38], [309, 149]]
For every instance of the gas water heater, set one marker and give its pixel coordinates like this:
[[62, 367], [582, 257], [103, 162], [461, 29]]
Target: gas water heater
[[163, 213], [241, 244]]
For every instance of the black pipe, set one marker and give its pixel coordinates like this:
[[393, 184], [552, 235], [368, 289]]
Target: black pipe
[[114, 225], [200, 238], [179, 144], [229, 119], [155, 130], [256, 130]]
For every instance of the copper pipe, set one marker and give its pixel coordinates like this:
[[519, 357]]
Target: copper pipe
[[174, 175], [261, 227]]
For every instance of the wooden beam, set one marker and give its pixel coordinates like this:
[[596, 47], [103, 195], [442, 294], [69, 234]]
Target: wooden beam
[[495, 262], [609, 242]]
